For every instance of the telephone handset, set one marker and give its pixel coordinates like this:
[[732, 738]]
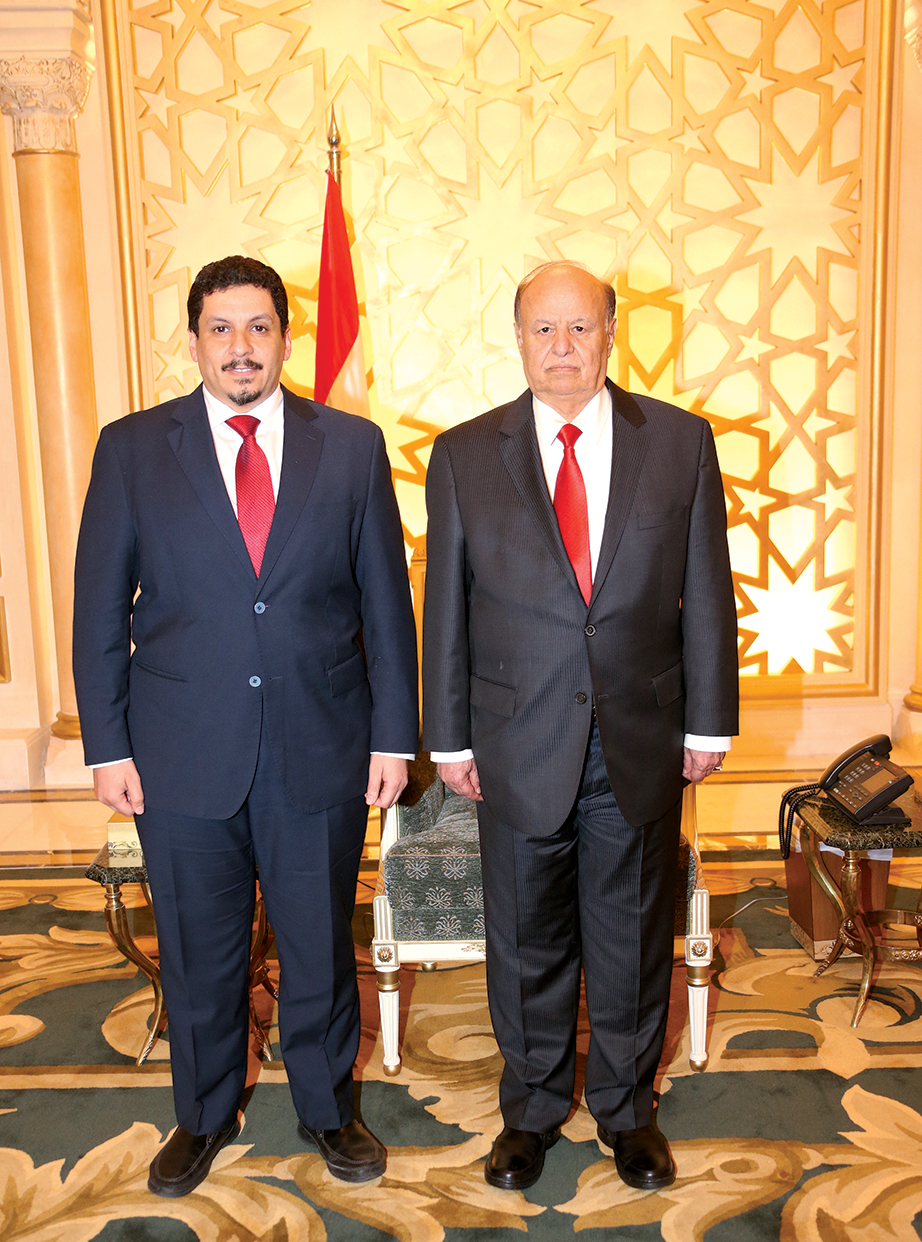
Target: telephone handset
[[863, 782]]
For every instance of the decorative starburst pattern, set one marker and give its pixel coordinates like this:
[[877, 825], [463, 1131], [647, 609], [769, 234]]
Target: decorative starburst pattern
[[706, 156], [793, 622]]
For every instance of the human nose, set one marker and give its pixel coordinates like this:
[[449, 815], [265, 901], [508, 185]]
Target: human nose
[[239, 343], [563, 342]]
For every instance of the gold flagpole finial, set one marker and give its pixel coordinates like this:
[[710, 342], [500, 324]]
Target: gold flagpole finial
[[333, 152]]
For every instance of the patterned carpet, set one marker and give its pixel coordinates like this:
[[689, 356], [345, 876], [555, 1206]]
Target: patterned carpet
[[800, 1128]]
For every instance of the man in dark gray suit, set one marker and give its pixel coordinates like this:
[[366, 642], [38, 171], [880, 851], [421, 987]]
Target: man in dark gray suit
[[247, 542], [579, 667]]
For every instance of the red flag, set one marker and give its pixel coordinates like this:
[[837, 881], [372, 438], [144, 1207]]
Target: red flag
[[339, 378]]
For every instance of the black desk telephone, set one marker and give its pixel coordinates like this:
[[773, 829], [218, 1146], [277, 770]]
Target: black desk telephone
[[861, 783]]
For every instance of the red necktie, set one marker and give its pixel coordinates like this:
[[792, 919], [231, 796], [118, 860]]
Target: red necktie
[[571, 510], [255, 497]]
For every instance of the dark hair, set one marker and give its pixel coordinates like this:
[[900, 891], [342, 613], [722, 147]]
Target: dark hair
[[607, 289], [229, 273]]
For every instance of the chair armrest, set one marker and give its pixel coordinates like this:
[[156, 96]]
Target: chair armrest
[[390, 829]]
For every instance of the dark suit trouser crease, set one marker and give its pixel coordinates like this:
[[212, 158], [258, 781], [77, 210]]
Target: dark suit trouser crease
[[597, 895], [201, 874]]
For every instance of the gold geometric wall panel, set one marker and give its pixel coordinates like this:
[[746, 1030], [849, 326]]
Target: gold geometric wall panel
[[709, 158]]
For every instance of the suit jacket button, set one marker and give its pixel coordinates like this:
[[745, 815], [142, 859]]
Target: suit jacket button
[[260, 607], [590, 630], [581, 698], [258, 681]]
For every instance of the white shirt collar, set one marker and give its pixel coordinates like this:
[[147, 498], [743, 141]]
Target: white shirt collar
[[591, 420], [269, 411]]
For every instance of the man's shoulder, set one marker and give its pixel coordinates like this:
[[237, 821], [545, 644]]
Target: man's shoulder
[[657, 411], [484, 427], [157, 418]]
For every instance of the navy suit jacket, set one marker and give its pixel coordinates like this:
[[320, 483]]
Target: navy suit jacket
[[514, 660], [318, 653]]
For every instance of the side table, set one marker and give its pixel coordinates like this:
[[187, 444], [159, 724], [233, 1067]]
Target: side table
[[114, 866], [862, 931]]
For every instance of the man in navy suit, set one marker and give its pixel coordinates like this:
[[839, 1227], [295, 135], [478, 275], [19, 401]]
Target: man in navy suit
[[579, 666], [247, 543]]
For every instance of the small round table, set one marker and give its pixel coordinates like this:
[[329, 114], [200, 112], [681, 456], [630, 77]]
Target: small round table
[[114, 866], [861, 931]]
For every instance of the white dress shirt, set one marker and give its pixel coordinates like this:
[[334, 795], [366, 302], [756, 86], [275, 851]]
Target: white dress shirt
[[593, 451], [270, 436]]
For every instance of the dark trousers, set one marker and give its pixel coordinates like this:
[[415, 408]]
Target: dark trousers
[[202, 878], [597, 895]]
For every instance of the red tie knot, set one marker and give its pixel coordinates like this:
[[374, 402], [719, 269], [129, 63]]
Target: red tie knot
[[244, 424], [568, 435]]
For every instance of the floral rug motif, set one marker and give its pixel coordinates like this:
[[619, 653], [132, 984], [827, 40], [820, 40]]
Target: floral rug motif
[[801, 1128]]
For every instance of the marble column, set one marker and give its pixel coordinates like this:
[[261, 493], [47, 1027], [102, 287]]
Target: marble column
[[43, 93]]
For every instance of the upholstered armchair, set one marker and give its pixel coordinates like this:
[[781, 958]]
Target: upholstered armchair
[[429, 902]]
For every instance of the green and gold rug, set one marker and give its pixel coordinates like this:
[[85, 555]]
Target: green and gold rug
[[800, 1128]]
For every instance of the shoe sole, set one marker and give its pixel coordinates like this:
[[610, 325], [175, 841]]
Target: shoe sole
[[352, 1175], [515, 1181], [177, 1190]]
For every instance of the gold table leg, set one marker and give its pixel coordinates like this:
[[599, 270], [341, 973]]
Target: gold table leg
[[850, 879], [117, 923], [817, 869], [259, 974], [120, 932], [854, 932]]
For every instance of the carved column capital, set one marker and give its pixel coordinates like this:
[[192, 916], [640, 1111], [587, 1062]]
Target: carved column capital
[[46, 59], [43, 95]]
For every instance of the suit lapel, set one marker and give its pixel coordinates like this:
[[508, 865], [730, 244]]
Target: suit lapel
[[300, 459], [627, 453], [193, 444], [522, 458]]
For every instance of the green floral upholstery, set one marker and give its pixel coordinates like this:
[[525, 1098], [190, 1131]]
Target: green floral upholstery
[[432, 874]]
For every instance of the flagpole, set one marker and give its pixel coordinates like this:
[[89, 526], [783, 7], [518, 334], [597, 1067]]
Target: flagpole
[[334, 156], [340, 377]]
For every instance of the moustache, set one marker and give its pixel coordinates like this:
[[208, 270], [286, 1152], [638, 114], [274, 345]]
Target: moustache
[[240, 364]]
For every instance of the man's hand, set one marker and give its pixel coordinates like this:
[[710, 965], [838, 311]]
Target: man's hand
[[461, 778], [118, 786], [387, 778], [701, 763]]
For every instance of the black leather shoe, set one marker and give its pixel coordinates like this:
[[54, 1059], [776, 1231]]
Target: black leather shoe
[[517, 1158], [642, 1157], [352, 1152], [185, 1159]]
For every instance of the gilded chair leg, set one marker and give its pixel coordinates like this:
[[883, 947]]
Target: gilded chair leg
[[389, 1005]]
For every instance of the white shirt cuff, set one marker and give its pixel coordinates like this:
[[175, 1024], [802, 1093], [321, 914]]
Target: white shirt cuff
[[391, 754], [110, 763], [450, 756], [700, 741]]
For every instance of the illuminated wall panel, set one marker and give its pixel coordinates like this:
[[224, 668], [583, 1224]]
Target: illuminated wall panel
[[710, 158]]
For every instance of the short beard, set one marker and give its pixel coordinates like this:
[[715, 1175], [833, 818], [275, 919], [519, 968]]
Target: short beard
[[244, 398]]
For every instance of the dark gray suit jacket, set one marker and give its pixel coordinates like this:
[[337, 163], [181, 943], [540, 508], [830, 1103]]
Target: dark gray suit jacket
[[318, 653], [513, 660]]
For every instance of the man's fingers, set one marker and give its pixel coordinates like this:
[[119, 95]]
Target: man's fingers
[[387, 778], [697, 764], [461, 778], [118, 787]]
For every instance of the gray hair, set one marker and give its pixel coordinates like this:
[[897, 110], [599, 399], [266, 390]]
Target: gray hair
[[607, 289]]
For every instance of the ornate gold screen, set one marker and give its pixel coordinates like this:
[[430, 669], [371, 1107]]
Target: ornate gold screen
[[716, 160]]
